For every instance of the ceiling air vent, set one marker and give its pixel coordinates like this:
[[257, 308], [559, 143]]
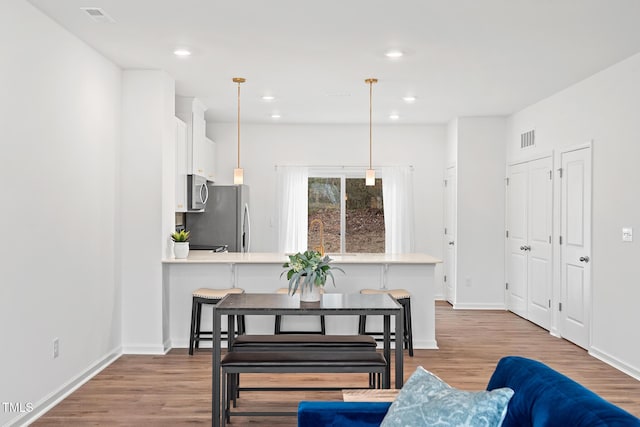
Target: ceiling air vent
[[98, 15], [528, 139]]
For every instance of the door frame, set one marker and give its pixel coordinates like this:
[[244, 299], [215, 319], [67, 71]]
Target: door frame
[[557, 248]]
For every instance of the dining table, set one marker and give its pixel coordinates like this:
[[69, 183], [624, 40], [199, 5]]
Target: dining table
[[331, 304]]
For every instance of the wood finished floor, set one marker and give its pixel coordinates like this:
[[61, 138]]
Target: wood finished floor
[[175, 389]]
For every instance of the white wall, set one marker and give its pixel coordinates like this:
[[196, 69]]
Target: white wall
[[478, 143], [60, 119], [147, 166], [603, 108], [451, 150], [264, 146]]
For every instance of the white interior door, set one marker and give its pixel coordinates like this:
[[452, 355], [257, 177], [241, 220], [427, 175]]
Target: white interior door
[[517, 227], [450, 235], [576, 246], [540, 220]]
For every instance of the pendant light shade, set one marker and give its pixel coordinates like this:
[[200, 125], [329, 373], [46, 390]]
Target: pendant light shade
[[370, 177], [238, 172]]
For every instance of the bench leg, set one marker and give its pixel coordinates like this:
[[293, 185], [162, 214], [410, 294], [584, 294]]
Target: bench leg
[[224, 398]]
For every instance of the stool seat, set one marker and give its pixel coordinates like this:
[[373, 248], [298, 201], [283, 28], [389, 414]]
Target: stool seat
[[209, 293], [212, 297], [403, 297], [395, 293]]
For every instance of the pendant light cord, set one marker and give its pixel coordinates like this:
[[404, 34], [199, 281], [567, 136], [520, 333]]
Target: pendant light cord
[[239, 125], [370, 121], [371, 81]]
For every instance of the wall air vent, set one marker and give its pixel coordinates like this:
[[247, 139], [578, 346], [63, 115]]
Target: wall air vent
[[98, 15], [528, 139]]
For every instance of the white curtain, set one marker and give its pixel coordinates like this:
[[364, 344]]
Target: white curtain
[[397, 196], [292, 208]]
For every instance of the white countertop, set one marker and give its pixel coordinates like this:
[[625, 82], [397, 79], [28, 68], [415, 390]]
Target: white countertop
[[210, 257]]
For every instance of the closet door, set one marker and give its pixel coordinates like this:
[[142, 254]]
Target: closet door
[[517, 229], [539, 262], [529, 248]]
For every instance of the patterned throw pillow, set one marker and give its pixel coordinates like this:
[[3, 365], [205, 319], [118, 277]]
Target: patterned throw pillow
[[426, 400]]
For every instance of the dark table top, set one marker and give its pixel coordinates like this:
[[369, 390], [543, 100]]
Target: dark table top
[[338, 303]]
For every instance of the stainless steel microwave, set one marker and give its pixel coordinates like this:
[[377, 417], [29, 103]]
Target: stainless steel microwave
[[197, 191]]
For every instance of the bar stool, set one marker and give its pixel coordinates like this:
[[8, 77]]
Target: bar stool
[[404, 298], [278, 331], [209, 296]]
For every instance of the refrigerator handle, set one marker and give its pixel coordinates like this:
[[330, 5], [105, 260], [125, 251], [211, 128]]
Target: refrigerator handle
[[246, 237]]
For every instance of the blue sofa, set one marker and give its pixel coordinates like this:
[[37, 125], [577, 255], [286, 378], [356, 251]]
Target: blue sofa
[[543, 397]]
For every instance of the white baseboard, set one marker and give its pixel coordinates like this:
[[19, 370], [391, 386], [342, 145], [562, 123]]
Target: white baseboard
[[146, 349], [419, 345], [478, 306], [48, 402], [425, 345], [619, 365]]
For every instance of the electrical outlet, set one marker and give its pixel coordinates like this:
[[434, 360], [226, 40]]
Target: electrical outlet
[[467, 282], [56, 348]]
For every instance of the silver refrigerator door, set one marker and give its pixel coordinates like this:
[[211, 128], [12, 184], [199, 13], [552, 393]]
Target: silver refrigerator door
[[223, 221]]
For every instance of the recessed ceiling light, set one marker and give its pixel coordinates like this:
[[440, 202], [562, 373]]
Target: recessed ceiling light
[[394, 116], [394, 54], [275, 116], [409, 99], [181, 52], [268, 98]]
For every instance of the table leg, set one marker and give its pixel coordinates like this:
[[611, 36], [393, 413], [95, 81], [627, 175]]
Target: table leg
[[399, 348], [387, 351], [215, 386]]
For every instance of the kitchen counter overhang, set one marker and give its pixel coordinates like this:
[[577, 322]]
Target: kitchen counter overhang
[[210, 257]]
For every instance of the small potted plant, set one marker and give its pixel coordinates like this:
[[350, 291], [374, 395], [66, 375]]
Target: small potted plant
[[180, 244], [308, 272]]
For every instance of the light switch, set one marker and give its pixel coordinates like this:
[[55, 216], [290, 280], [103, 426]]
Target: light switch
[[627, 234]]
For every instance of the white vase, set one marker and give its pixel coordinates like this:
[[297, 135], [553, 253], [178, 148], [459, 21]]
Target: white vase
[[181, 250], [309, 294]]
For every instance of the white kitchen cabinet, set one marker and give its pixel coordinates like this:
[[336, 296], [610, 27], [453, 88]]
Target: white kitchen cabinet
[[181, 165], [200, 153], [209, 156]]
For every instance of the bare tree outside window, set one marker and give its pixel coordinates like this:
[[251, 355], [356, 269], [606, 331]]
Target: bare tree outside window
[[361, 220]]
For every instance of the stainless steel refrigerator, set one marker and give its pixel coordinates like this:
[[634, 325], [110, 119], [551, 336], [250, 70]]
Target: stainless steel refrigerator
[[225, 220]]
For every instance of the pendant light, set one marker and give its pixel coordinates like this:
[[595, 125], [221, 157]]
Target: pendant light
[[370, 177], [238, 172]]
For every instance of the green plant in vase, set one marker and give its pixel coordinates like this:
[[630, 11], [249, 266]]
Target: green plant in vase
[[308, 270], [180, 243], [180, 236]]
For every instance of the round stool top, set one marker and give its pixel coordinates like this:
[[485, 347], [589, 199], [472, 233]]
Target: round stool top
[[216, 293], [395, 293], [286, 291]]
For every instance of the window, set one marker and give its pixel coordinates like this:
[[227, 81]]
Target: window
[[351, 213]]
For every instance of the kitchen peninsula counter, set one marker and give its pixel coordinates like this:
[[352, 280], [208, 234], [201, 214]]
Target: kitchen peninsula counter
[[210, 257], [260, 272]]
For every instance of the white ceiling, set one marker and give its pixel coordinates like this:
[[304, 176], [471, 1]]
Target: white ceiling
[[464, 57]]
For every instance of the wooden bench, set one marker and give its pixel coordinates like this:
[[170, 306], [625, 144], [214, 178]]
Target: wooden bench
[[234, 363], [302, 342]]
